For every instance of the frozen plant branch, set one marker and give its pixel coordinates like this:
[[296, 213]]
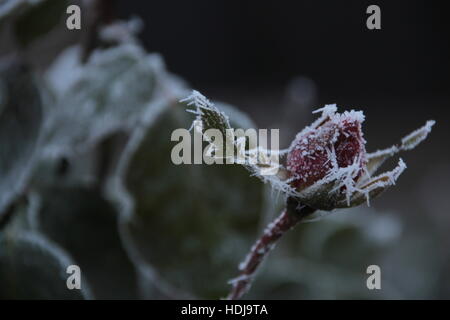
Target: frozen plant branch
[[288, 219], [327, 167]]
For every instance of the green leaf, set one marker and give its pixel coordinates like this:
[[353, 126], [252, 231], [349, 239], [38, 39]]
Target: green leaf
[[31, 267], [20, 124], [112, 92], [192, 223], [85, 225], [9, 8], [38, 20], [373, 187], [96, 106]]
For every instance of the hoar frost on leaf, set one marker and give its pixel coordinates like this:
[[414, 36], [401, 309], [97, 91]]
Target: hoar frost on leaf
[[29, 262], [113, 91], [257, 159], [8, 7], [20, 130], [120, 90], [109, 92], [377, 158]]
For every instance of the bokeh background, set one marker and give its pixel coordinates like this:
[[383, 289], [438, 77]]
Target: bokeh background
[[168, 231]]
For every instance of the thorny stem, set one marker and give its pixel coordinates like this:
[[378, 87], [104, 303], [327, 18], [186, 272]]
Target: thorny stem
[[288, 218]]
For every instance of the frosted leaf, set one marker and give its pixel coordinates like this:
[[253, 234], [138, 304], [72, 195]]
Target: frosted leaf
[[208, 116], [376, 159], [114, 91], [414, 138], [66, 66], [65, 213], [20, 130], [195, 228], [375, 186], [8, 7], [207, 113], [101, 102], [33, 19], [33, 267]]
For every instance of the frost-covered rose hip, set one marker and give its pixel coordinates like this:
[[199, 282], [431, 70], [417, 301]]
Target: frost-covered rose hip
[[317, 152], [327, 166]]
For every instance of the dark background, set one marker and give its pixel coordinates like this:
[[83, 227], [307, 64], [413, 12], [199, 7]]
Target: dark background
[[262, 43]]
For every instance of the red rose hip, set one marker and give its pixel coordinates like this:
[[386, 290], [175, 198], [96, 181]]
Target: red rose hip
[[336, 143]]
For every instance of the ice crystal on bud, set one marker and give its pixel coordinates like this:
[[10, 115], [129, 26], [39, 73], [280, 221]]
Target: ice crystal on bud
[[328, 165], [318, 152]]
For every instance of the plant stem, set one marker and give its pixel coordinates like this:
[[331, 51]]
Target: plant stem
[[7, 214], [288, 218], [99, 12]]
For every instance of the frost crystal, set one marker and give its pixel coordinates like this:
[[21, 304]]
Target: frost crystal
[[322, 151]]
